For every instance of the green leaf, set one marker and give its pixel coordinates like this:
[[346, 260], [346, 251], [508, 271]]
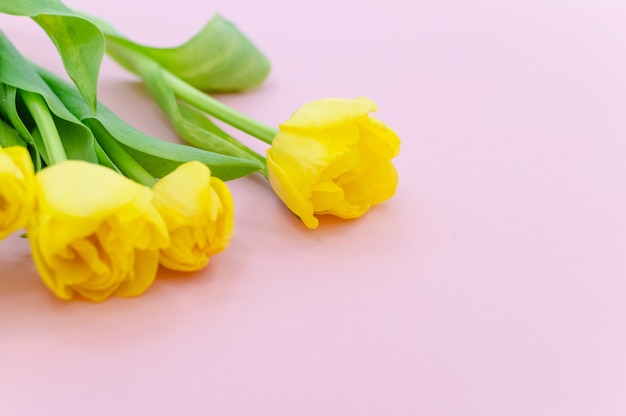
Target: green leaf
[[81, 46], [157, 156], [17, 73], [79, 42], [190, 124], [8, 110], [9, 136], [105, 160], [219, 58]]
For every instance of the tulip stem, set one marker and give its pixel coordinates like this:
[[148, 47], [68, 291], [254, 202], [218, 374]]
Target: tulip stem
[[219, 110], [40, 112], [125, 162]]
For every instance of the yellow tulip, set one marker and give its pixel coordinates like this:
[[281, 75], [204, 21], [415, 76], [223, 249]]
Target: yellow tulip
[[17, 194], [332, 157], [198, 211], [94, 232]]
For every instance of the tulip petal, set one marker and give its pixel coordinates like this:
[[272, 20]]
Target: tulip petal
[[226, 218], [17, 190], [326, 195], [305, 158], [377, 135], [290, 194], [329, 112], [145, 267]]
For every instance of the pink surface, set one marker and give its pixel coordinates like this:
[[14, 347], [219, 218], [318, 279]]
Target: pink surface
[[494, 283]]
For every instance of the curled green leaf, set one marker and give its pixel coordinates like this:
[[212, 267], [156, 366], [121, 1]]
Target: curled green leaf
[[218, 58]]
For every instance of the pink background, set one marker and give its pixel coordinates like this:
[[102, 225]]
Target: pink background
[[493, 283]]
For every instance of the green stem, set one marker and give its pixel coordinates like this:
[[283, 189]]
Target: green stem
[[140, 64], [40, 112], [125, 162], [219, 110]]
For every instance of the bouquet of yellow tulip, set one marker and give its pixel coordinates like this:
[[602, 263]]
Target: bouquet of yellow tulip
[[103, 204]]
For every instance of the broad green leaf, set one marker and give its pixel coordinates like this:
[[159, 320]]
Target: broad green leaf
[[218, 58], [17, 73], [157, 156], [80, 43], [33, 7], [81, 46]]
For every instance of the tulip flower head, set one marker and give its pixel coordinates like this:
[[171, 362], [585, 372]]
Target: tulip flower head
[[198, 212], [94, 232], [17, 196], [332, 157]]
